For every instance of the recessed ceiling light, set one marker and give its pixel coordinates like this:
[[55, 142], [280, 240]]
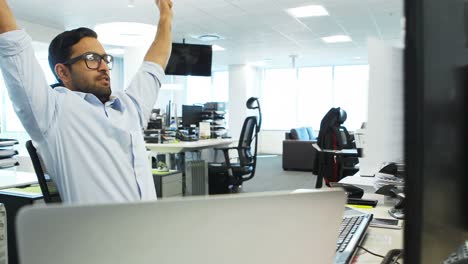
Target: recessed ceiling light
[[207, 37], [131, 3], [357, 58], [337, 38], [308, 11], [125, 33], [217, 48]]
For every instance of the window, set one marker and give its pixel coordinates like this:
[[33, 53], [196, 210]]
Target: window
[[208, 89], [279, 99], [350, 93], [295, 98], [198, 89], [220, 88], [315, 95]]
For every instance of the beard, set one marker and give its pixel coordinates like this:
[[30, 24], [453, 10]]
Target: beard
[[99, 86]]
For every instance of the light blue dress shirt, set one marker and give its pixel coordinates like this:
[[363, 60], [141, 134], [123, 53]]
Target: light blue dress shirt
[[94, 152]]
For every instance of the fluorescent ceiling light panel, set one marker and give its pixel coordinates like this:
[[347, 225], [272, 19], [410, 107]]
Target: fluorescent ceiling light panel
[[308, 11], [217, 48], [127, 34], [337, 39]]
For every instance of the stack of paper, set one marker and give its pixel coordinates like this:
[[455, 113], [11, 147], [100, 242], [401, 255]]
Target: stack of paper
[[7, 154], [382, 179], [8, 162]]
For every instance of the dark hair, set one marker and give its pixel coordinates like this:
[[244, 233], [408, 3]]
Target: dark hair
[[60, 47]]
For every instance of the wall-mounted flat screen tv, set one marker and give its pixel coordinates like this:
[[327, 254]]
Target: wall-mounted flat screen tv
[[190, 59]]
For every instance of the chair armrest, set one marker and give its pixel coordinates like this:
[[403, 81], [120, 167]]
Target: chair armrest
[[342, 152], [295, 141]]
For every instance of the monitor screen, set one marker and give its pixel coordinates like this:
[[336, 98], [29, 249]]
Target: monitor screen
[[436, 221], [191, 115], [190, 59]]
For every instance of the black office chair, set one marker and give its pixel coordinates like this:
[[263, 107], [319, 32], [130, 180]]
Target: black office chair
[[228, 177], [332, 167], [48, 187]]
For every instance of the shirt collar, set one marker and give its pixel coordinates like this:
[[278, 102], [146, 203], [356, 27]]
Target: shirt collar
[[114, 101]]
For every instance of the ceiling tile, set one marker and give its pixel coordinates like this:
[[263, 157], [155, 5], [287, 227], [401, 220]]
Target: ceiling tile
[[251, 28]]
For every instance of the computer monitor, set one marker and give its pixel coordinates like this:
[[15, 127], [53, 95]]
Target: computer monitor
[[274, 228], [191, 115], [436, 129], [190, 59]]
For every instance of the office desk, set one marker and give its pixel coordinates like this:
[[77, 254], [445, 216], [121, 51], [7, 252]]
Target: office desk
[[187, 146], [379, 240], [11, 178], [13, 202]]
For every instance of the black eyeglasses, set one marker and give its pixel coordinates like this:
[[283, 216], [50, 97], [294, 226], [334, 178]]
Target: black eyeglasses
[[92, 60]]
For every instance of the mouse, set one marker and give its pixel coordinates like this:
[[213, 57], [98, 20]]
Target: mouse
[[351, 190]]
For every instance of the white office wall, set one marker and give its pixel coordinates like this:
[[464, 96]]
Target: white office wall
[[244, 82], [133, 58]]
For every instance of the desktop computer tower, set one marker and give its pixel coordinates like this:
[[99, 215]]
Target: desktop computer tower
[[218, 178]]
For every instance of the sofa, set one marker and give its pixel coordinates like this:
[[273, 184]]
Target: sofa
[[298, 152]]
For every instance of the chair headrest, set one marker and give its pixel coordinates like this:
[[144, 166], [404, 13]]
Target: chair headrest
[[342, 116], [250, 103]]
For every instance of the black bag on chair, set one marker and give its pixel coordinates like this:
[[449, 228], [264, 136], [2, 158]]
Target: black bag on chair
[[333, 136]]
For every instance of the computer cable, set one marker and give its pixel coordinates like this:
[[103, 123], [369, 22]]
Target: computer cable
[[370, 252]]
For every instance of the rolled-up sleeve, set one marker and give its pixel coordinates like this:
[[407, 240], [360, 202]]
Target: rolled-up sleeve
[[144, 88], [33, 100]]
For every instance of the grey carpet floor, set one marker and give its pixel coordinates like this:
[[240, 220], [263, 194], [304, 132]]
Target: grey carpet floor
[[270, 176]]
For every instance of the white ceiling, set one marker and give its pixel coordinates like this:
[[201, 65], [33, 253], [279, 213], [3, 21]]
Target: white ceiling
[[253, 30]]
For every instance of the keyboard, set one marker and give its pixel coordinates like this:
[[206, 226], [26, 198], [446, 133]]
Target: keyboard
[[459, 256], [352, 231]]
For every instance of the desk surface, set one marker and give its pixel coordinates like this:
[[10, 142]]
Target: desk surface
[[183, 146], [11, 178], [379, 240]]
